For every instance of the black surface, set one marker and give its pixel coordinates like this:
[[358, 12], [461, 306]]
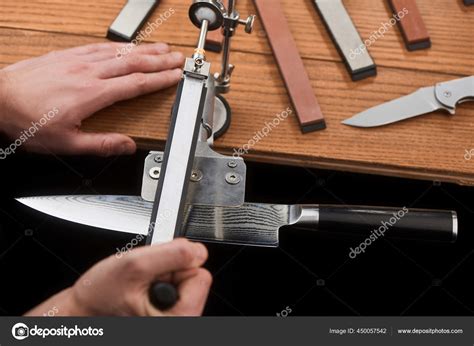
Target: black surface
[[310, 274], [319, 125], [219, 132], [418, 45]]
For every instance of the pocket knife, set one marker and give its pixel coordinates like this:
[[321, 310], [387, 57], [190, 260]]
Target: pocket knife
[[444, 95]]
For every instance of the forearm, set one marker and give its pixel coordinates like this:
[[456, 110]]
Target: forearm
[[61, 304]]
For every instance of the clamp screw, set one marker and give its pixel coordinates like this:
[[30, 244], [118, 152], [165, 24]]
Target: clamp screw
[[232, 178], [196, 175], [248, 23], [154, 172]]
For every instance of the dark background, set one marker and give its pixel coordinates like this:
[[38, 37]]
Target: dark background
[[310, 274]]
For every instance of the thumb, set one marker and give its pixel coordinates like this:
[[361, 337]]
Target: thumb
[[101, 144]]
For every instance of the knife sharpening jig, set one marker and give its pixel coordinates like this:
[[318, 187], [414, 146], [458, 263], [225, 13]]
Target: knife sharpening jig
[[192, 191]]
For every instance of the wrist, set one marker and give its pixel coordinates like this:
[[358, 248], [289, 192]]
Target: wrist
[[63, 303]]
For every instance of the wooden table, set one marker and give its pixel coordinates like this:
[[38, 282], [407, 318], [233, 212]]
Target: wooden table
[[428, 147]]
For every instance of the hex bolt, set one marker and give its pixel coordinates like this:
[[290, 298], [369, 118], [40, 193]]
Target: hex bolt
[[154, 172], [232, 178]]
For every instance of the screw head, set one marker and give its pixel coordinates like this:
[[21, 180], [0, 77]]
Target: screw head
[[196, 175], [232, 164], [447, 94], [158, 159], [232, 178], [154, 172]]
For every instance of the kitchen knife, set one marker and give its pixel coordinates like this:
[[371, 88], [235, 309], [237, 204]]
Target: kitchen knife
[[253, 224], [425, 100]]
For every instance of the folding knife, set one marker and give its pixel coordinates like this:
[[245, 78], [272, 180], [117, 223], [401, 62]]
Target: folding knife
[[425, 100]]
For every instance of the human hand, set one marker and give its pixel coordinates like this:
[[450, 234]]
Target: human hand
[[118, 286], [45, 99]]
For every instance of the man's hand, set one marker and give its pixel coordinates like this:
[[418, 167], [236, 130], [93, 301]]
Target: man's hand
[[59, 90], [118, 286]]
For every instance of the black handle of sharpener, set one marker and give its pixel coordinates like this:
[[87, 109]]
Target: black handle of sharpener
[[423, 224], [163, 295]]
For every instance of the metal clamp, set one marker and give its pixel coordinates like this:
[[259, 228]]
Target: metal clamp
[[216, 180]]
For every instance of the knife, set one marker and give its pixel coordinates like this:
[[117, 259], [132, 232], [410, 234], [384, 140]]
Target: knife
[[254, 224], [425, 100]]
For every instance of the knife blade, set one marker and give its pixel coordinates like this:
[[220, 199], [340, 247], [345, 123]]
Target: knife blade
[[425, 100], [253, 224]]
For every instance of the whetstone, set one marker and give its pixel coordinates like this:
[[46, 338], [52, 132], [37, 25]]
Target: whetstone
[[345, 36], [411, 24], [291, 65]]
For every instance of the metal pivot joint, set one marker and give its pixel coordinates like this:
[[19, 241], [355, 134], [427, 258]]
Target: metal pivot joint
[[214, 15]]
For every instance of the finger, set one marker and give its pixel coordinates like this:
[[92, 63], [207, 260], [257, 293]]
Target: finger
[[100, 144], [136, 84], [58, 55], [120, 52], [153, 48], [134, 62], [180, 254], [193, 291], [95, 47]]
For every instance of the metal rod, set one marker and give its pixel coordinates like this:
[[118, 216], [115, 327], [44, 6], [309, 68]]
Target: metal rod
[[230, 8], [203, 34], [225, 59], [224, 75]]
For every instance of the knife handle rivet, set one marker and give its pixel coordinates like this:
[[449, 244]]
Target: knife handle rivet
[[447, 94]]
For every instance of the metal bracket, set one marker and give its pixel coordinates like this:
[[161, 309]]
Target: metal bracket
[[216, 180]]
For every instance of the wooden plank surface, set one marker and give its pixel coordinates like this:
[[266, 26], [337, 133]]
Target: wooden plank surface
[[428, 147]]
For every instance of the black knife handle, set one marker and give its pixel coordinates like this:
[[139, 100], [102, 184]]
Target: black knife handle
[[163, 295], [423, 224]]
